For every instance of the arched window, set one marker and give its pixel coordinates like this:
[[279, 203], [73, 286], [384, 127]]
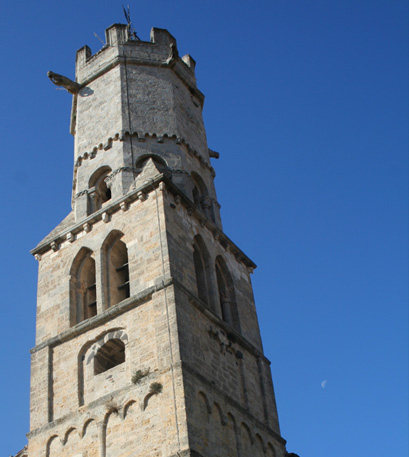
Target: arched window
[[111, 354], [83, 287], [98, 192], [227, 296], [116, 269], [201, 259], [201, 197]]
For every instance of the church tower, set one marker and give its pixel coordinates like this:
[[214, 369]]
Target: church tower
[[147, 340]]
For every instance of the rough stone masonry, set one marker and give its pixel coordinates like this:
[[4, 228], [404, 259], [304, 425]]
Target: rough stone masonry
[[147, 340]]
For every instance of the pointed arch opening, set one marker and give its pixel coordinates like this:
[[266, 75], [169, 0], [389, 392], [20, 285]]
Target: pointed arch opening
[[246, 440], [98, 190], [270, 450], [202, 263], [201, 197], [83, 287], [227, 296], [116, 277]]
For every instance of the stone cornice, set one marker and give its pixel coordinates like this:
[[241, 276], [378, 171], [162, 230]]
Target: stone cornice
[[132, 60], [105, 316], [139, 299], [103, 213], [218, 234], [88, 412], [233, 334], [143, 136], [123, 203]]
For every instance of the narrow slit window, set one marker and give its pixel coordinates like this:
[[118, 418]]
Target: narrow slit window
[[123, 273]]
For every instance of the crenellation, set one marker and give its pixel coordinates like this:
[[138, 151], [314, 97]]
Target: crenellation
[[116, 34], [156, 52], [147, 339]]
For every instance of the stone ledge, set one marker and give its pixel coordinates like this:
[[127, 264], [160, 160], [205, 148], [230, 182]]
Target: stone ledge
[[107, 315], [131, 60], [84, 409], [138, 300], [117, 205], [240, 339], [218, 234], [142, 136], [95, 217]]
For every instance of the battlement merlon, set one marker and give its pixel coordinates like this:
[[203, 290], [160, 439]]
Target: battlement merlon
[[161, 51]]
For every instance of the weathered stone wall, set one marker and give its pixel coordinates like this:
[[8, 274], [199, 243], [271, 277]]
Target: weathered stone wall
[[149, 92], [181, 230], [130, 422], [230, 361], [69, 402], [218, 428], [150, 99], [144, 254], [161, 372], [99, 111]]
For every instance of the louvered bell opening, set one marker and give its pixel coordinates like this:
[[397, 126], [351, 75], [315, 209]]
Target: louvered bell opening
[[124, 270]]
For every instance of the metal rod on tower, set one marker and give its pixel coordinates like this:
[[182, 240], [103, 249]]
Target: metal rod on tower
[[131, 30]]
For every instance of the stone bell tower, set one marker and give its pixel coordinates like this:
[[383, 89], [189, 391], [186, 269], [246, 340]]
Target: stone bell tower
[[147, 340]]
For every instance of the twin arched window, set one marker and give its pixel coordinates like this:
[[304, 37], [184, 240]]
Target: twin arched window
[[98, 189], [225, 301], [85, 302]]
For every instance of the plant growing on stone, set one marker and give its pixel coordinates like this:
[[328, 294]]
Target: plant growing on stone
[[112, 407], [155, 388], [138, 375]]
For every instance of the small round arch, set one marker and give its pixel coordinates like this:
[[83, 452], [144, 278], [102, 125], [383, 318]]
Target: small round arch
[[68, 433], [201, 395], [222, 417], [246, 430], [127, 407], [260, 443], [87, 423], [98, 190], [49, 443], [270, 451]]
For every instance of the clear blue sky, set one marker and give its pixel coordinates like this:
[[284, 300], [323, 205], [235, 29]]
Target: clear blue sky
[[307, 102]]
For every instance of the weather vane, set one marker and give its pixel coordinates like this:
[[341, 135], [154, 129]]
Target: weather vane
[[131, 31]]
